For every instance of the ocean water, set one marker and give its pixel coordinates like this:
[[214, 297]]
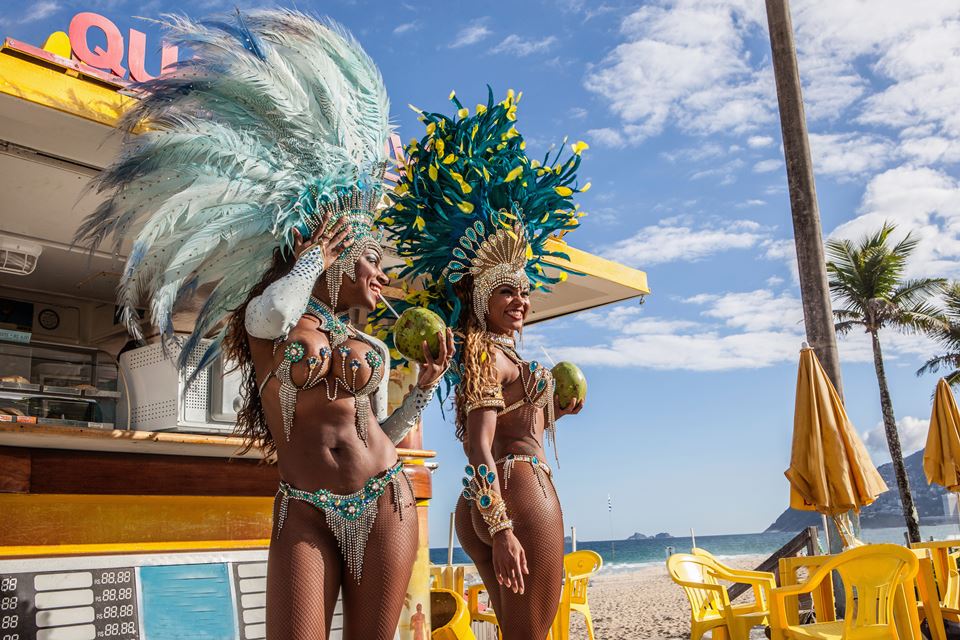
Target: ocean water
[[629, 554]]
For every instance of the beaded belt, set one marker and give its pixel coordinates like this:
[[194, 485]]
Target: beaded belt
[[351, 516], [540, 468]]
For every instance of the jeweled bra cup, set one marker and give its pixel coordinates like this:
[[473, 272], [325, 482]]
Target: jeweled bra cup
[[339, 332], [351, 516], [538, 387]]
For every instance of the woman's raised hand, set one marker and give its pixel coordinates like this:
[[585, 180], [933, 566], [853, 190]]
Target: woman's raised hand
[[332, 241], [433, 368]]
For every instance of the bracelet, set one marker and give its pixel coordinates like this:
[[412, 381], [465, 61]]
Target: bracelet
[[478, 488]]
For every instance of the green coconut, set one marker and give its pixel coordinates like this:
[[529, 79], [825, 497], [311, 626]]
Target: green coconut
[[415, 325], [570, 383]]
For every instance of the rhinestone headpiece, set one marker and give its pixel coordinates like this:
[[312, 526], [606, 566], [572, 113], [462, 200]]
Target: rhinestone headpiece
[[359, 206], [496, 260]]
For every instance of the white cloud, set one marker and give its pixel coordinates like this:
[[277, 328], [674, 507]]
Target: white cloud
[[471, 34], [685, 62], [913, 436], [692, 65], [578, 113], [36, 11], [759, 142], [606, 137], [726, 171], [759, 310], [923, 201], [405, 27], [766, 166], [849, 154], [516, 45], [680, 239], [694, 154], [734, 330]]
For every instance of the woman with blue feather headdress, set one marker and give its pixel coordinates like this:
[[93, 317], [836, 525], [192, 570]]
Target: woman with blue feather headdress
[[255, 184], [477, 220]]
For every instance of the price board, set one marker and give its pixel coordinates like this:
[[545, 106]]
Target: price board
[[157, 596]]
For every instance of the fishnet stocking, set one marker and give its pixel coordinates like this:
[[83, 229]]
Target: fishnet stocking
[[538, 525], [305, 562], [372, 608]]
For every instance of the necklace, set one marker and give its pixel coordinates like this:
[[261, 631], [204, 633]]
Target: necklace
[[337, 325], [500, 339]]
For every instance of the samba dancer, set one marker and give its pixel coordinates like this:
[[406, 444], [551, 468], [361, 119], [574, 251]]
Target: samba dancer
[[259, 175], [488, 211]]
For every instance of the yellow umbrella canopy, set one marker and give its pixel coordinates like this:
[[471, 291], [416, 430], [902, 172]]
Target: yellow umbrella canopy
[[830, 469], [941, 456]]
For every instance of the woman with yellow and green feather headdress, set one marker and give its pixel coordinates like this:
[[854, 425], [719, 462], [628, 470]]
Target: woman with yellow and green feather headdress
[[471, 217]]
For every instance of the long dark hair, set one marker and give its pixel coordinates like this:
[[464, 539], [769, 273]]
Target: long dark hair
[[251, 422]]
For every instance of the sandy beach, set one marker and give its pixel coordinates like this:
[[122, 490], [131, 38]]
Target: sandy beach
[[643, 603]]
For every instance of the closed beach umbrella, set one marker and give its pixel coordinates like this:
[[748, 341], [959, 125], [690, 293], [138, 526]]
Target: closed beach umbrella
[[830, 469], [941, 456]]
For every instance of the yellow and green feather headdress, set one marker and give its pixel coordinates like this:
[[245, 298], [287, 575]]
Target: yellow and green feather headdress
[[470, 200]]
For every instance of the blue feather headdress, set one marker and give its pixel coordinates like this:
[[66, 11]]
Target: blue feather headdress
[[277, 119], [470, 201]]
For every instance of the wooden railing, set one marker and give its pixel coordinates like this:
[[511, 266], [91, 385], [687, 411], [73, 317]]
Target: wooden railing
[[806, 540]]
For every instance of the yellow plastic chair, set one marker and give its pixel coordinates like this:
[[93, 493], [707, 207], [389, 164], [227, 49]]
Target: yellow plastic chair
[[473, 608], [710, 607], [761, 581], [944, 554], [449, 617], [448, 577], [881, 600], [578, 566]]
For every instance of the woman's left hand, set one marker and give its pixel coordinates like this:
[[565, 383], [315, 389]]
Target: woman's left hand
[[432, 368], [571, 410]]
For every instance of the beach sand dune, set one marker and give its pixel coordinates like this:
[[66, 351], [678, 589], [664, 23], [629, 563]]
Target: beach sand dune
[[643, 603]]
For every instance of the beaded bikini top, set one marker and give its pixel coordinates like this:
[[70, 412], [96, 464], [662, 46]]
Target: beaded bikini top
[[339, 329], [537, 383]]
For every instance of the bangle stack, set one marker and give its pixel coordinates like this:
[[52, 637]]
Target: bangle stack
[[478, 488]]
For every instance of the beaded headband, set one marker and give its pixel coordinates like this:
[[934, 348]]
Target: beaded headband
[[498, 259], [358, 205]]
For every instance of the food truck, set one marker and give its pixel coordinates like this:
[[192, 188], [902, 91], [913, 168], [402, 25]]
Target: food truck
[[126, 509]]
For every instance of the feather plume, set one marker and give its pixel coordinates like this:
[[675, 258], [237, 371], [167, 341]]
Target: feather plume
[[273, 102]]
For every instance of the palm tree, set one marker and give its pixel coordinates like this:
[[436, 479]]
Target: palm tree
[[947, 336], [866, 282]]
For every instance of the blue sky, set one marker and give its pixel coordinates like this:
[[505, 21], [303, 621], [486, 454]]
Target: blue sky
[[689, 415]]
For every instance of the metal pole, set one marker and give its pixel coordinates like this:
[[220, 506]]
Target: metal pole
[[450, 542], [573, 538], [807, 234]]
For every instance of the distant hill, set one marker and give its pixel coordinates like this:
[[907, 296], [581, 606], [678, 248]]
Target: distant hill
[[886, 511]]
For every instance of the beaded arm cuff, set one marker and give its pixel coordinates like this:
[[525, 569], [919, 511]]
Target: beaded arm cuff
[[478, 488], [276, 311], [405, 418], [491, 396]]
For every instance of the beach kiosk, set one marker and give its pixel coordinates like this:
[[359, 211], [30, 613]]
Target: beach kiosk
[[126, 511]]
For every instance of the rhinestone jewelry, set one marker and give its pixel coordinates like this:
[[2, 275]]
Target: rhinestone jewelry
[[478, 488], [351, 516]]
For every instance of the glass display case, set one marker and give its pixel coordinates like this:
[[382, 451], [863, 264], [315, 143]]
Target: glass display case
[[48, 383]]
